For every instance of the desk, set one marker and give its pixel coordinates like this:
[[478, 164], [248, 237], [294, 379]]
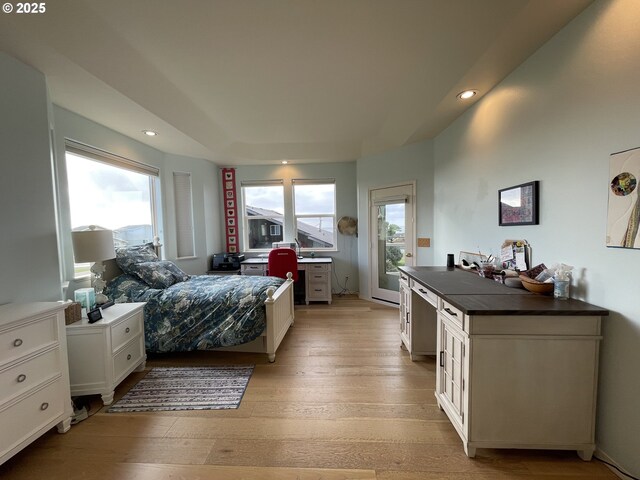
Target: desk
[[514, 369], [317, 275]]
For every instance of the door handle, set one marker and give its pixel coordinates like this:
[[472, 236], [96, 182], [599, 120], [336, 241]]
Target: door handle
[[408, 254]]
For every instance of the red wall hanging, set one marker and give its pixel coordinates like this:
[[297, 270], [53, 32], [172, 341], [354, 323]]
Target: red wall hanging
[[231, 209]]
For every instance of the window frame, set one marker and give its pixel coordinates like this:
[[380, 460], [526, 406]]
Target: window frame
[[245, 217], [96, 155], [309, 182]]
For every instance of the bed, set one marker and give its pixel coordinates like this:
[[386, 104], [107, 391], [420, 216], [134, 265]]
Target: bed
[[201, 312]]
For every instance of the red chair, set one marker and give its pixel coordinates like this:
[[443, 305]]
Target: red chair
[[281, 261]]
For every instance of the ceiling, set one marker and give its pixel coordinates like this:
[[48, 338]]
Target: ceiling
[[259, 81]]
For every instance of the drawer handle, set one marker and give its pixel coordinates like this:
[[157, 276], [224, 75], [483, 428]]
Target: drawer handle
[[127, 330], [450, 312], [129, 357], [423, 291], [317, 289], [17, 342], [21, 378], [442, 359], [44, 406]]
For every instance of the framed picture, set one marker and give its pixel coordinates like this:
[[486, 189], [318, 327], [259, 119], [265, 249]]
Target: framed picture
[[518, 205]]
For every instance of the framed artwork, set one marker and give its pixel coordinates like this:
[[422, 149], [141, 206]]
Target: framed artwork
[[623, 212], [518, 205]]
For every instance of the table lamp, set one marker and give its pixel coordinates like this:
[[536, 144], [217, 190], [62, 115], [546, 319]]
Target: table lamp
[[94, 245]]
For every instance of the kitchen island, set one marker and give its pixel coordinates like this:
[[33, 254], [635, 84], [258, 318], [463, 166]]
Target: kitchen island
[[514, 369]]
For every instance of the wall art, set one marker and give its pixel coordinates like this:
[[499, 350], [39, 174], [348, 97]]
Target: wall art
[[623, 214], [518, 205]]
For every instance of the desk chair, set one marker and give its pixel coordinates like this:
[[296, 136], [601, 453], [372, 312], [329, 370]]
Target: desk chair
[[281, 261]]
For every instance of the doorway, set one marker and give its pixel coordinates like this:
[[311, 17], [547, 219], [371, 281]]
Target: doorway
[[392, 238]]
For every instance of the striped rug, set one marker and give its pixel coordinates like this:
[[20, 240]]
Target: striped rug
[[187, 388]]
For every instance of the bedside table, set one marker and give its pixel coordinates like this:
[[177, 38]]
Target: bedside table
[[104, 353]]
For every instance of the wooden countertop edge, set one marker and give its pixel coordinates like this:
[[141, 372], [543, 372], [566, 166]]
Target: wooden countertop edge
[[557, 307]]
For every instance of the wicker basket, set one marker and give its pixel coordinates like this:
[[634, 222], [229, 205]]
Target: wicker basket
[[535, 286], [72, 313]]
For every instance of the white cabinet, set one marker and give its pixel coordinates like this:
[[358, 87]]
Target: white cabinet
[[317, 282], [519, 381], [405, 311], [417, 318], [34, 377], [104, 353], [515, 370], [453, 368]]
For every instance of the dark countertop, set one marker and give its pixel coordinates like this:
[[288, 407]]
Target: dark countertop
[[475, 295]]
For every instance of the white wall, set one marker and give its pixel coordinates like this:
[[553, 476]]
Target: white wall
[[557, 119], [410, 163], [205, 187], [344, 260], [30, 269]]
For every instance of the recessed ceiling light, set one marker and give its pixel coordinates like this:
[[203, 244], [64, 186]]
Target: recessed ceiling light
[[150, 133], [284, 162], [467, 94]]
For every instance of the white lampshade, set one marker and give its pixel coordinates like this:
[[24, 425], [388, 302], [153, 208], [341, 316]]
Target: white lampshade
[[93, 245]]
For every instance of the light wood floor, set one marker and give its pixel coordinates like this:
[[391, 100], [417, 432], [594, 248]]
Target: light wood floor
[[342, 401]]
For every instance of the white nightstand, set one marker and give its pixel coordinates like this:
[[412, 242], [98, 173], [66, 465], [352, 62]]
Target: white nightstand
[[103, 353]]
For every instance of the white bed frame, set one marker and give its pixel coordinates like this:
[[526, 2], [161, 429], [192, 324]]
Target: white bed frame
[[280, 316], [279, 310]]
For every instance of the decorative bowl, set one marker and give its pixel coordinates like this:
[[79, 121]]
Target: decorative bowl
[[535, 286]]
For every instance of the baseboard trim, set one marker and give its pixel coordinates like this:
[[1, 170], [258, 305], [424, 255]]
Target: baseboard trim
[[603, 456]]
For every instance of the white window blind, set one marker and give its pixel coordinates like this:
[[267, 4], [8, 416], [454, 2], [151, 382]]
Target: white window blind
[[109, 158], [184, 214]]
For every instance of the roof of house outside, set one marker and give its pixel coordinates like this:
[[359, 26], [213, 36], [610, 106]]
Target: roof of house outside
[[310, 231]]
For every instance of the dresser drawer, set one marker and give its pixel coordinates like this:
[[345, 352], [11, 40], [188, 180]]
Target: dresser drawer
[[25, 418], [454, 314], [316, 267], [317, 291], [27, 374], [314, 277], [425, 293], [128, 358], [253, 269], [27, 338], [124, 331]]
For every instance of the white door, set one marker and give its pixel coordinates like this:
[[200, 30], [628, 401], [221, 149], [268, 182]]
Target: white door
[[391, 238]]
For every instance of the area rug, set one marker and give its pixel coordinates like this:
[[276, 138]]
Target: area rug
[[187, 388]]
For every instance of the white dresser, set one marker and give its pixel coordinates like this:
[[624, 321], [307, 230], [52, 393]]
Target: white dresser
[[104, 353], [34, 377]]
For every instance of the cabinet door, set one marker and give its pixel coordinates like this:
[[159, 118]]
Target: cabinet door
[[405, 313], [452, 354]]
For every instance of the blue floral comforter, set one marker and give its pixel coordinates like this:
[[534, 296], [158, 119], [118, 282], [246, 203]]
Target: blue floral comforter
[[204, 312]]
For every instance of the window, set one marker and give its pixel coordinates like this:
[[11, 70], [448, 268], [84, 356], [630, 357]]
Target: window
[[113, 193], [315, 213], [263, 214]]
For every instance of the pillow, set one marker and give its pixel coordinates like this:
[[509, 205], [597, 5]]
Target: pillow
[[127, 256], [125, 288], [160, 274], [177, 272]]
